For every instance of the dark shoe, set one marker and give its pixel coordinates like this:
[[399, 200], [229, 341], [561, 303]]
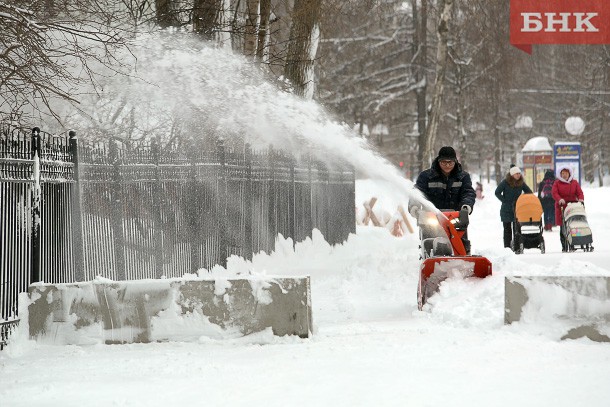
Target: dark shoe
[[467, 246]]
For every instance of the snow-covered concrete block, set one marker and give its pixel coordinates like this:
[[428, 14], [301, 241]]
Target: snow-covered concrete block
[[104, 311], [568, 306]]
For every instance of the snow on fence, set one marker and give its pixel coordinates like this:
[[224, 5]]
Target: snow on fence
[[133, 212]]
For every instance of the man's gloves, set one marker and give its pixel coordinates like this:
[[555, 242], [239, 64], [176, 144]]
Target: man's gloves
[[463, 220], [562, 202]]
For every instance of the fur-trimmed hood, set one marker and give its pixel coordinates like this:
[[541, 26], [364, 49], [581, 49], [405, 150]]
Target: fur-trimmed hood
[[560, 178]]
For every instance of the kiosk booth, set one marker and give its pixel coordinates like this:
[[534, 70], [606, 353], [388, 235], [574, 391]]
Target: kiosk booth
[[537, 159]]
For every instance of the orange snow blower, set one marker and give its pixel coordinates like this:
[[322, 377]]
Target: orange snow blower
[[443, 252]]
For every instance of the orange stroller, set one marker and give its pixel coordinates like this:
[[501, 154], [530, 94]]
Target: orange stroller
[[527, 227]]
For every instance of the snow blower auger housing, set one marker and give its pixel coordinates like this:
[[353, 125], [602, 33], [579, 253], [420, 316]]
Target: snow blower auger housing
[[443, 252]]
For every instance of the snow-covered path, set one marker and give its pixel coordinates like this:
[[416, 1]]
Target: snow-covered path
[[371, 345]]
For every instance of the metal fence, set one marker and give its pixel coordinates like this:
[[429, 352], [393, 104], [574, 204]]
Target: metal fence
[[71, 212]]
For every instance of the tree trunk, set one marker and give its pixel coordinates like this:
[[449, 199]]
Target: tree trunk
[[262, 50], [420, 49], [495, 100], [302, 46], [461, 130], [442, 31], [206, 17], [166, 16], [252, 25]]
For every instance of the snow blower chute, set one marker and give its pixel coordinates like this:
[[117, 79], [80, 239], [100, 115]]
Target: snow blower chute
[[443, 252]]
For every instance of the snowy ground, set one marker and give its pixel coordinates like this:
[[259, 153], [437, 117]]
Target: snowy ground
[[371, 345]]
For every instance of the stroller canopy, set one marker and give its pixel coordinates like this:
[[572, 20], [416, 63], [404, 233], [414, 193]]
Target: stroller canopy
[[528, 209]]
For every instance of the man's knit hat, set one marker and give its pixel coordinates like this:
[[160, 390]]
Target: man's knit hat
[[447, 153]]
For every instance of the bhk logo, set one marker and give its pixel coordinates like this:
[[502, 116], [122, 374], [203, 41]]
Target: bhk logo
[[559, 22]]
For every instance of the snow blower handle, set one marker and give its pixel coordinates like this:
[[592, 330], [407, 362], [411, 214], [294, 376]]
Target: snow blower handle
[[463, 219]]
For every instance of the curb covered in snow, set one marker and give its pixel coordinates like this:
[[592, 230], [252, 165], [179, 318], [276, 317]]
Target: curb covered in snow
[[579, 305], [165, 310]]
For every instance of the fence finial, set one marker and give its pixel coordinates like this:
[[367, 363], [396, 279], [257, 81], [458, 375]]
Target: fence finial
[[35, 146]]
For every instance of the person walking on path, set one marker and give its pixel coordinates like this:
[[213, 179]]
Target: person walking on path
[[565, 190], [545, 194], [508, 191], [479, 191]]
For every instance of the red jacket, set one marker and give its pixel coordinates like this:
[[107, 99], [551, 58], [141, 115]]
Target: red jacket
[[569, 191]]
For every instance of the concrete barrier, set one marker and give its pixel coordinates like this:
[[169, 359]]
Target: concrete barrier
[[580, 305], [167, 310]]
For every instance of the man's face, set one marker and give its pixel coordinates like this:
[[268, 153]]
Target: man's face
[[446, 166]]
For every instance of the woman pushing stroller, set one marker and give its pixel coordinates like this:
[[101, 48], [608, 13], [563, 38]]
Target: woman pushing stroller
[[508, 191], [565, 190]]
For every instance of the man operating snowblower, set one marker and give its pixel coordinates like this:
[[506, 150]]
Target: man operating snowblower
[[445, 248], [447, 187]]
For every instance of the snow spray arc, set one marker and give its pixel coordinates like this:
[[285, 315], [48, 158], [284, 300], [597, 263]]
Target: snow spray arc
[[215, 92]]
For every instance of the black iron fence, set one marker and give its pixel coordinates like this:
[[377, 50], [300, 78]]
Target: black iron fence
[[71, 212]]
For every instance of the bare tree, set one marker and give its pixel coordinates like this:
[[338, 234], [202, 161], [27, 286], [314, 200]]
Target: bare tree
[[252, 26], [264, 31], [420, 51], [367, 70], [46, 52], [207, 17], [442, 32], [302, 47], [166, 13]]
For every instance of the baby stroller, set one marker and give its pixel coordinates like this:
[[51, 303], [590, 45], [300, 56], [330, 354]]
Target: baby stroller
[[527, 227], [577, 233]]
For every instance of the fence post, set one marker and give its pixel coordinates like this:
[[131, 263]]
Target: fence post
[[36, 197], [248, 202], [272, 208], [352, 200], [222, 202], [156, 205], [309, 221], [291, 202], [326, 197], [76, 214], [117, 213], [193, 214]]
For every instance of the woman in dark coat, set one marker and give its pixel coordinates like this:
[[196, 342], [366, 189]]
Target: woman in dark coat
[[508, 192], [545, 194]]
